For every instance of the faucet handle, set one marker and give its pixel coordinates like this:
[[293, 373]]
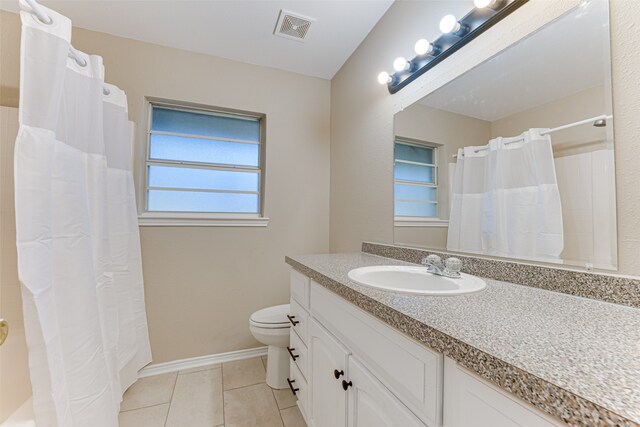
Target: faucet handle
[[432, 260], [453, 265]]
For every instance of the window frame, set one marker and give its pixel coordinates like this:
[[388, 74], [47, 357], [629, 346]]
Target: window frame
[[187, 218], [418, 221]]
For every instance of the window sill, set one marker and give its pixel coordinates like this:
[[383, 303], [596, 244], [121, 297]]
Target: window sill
[[170, 219], [420, 222]]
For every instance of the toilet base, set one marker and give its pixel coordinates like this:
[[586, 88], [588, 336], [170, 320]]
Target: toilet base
[[277, 367]]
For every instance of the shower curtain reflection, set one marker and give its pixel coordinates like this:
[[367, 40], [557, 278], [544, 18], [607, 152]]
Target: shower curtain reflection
[[505, 200]]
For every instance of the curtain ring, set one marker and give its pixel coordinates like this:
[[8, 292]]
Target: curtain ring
[[73, 55], [36, 11], [40, 20], [81, 62]]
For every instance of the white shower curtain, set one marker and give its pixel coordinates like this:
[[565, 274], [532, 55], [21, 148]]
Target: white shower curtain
[[76, 227], [505, 200]]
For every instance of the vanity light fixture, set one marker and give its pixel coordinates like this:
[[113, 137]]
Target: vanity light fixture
[[401, 64], [455, 34], [384, 78], [423, 47], [449, 24], [481, 4]]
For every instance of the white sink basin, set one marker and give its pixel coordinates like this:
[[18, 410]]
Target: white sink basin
[[415, 280]]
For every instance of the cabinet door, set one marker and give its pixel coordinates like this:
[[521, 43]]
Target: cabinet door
[[327, 399], [471, 401], [372, 405]]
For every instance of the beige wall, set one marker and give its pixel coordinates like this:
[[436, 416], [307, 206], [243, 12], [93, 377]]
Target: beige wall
[[362, 115], [451, 131], [203, 283]]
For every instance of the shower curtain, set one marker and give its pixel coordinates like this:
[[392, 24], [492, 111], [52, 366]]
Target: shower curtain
[[76, 226], [505, 200]]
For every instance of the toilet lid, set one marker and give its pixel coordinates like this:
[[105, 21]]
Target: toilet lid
[[276, 315]]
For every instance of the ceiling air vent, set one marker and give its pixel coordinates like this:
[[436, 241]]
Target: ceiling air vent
[[292, 26]]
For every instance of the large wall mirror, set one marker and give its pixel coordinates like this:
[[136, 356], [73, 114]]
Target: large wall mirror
[[514, 158]]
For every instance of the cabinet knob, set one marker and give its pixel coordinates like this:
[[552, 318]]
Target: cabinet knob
[[293, 390], [346, 385], [293, 356], [293, 322], [337, 373]]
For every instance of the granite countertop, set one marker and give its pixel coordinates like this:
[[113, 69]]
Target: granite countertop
[[575, 358]]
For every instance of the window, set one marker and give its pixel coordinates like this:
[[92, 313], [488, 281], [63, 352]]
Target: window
[[415, 180], [203, 163]]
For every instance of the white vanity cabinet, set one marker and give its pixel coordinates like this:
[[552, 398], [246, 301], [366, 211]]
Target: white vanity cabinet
[[353, 370], [350, 369], [471, 401], [370, 404], [329, 359], [343, 393], [298, 342]]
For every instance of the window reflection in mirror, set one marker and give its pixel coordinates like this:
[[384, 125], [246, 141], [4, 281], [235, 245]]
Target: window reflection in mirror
[[526, 190]]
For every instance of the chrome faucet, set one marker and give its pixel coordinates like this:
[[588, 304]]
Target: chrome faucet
[[451, 267]]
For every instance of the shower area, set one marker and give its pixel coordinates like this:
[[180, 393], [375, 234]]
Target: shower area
[[71, 289]]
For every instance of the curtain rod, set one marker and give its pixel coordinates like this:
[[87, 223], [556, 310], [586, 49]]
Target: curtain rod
[[598, 121], [44, 18]]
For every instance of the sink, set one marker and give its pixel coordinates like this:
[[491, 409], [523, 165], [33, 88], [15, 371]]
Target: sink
[[415, 280]]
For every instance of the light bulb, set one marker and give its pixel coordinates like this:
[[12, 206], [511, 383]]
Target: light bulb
[[423, 46], [384, 78], [449, 24], [400, 64], [481, 4]]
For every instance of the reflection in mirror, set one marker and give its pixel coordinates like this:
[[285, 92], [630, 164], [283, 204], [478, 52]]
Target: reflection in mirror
[[515, 157]]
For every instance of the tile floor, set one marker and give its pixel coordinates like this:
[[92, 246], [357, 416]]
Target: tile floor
[[232, 394]]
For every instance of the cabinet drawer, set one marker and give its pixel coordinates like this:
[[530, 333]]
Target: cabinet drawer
[[299, 319], [300, 288], [298, 353], [298, 382], [410, 370], [470, 400]]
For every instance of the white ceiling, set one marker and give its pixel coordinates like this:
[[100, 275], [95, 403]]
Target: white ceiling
[[241, 30], [563, 58]]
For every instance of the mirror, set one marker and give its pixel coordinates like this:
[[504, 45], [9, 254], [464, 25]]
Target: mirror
[[514, 158]]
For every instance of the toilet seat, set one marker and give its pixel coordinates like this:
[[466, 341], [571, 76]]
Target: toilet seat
[[271, 317]]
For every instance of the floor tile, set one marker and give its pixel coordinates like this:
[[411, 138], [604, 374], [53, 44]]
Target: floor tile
[[149, 391], [284, 398], [252, 406], [201, 368], [153, 416], [197, 400], [241, 373], [292, 417]]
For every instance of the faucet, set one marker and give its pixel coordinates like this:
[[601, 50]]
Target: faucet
[[451, 267]]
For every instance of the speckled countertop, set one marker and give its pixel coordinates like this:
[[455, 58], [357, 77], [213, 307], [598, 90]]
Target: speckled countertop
[[574, 358]]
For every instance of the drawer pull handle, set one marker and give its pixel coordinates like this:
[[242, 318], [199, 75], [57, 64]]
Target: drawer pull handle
[[346, 385], [293, 322], [337, 373], [293, 356], [293, 390]]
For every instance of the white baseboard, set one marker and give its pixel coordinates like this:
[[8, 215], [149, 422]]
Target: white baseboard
[[200, 361]]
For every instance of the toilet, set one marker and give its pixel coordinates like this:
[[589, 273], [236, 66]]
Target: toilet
[[270, 326]]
